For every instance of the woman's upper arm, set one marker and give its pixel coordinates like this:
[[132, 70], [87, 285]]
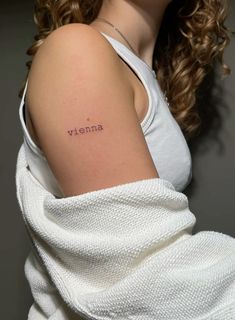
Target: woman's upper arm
[[82, 109]]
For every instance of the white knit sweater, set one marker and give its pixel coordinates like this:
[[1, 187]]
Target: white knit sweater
[[124, 252]]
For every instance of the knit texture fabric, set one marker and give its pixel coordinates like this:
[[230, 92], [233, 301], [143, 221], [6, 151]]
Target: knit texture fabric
[[125, 252]]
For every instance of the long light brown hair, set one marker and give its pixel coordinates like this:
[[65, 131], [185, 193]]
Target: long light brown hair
[[191, 41]]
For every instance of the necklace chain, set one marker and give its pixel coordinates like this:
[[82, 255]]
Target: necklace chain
[[106, 21], [119, 33]]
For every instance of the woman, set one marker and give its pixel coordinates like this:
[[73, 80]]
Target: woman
[[111, 95], [187, 40]]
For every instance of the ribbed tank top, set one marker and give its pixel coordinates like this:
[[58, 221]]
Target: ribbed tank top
[[164, 138]]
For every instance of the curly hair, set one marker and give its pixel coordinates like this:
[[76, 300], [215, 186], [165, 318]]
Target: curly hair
[[191, 40]]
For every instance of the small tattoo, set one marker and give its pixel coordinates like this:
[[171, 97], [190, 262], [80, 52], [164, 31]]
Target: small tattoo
[[74, 131]]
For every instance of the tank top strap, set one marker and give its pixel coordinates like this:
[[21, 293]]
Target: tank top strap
[[22, 102], [131, 56], [142, 71], [25, 89], [27, 137]]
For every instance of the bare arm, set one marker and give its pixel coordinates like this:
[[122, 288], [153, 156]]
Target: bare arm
[[82, 108]]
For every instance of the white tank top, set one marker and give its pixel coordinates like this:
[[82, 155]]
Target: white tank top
[[165, 140]]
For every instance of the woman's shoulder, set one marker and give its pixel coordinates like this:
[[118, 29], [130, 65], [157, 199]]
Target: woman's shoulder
[[77, 38], [72, 53], [76, 47]]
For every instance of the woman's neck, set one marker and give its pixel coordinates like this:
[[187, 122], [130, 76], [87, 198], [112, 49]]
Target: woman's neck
[[139, 21]]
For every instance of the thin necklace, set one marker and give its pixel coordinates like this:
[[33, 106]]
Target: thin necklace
[[151, 70], [106, 21]]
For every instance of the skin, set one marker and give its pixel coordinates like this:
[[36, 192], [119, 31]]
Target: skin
[[145, 16], [86, 108]]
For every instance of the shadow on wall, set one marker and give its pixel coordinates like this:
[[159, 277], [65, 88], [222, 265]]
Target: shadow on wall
[[212, 107]]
